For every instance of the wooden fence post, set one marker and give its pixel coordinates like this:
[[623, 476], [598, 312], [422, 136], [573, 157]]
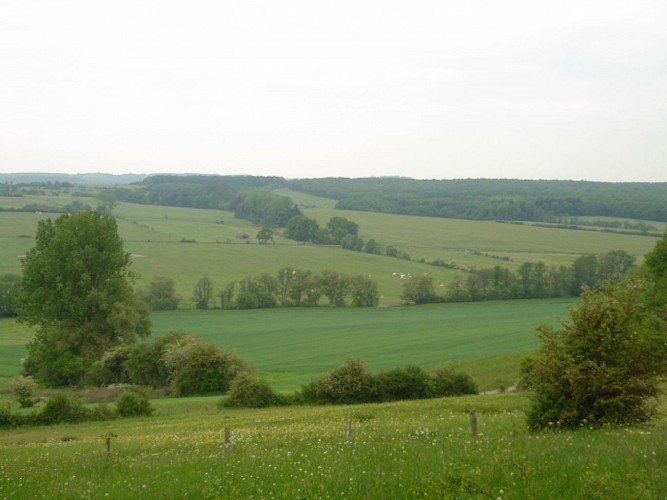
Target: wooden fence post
[[228, 437], [473, 422], [107, 444], [348, 429]]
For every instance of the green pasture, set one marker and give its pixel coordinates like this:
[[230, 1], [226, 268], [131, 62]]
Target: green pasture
[[482, 243], [453, 239], [404, 450], [290, 346], [187, 244]]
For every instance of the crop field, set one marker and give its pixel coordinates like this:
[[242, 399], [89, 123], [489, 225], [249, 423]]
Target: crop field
[[290, 346], [404, 450]]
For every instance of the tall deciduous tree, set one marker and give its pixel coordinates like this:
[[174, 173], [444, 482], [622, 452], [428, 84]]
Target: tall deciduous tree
[[419, 290], [10, 286], [203, 293], [161, 294], [301, 228], [364, 291], [339, 227], [76, 289], [335, 286], [264, 235]]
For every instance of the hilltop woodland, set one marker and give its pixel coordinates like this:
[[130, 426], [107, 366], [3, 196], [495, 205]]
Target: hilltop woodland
[[561, 202]]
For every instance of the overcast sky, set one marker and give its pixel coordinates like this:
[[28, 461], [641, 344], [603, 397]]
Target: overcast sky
[[528, 89]]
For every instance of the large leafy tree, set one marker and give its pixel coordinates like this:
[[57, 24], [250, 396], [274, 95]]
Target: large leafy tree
[[161, 295], [203, 293], [301, 228], [419, 290], [335, 286], [76, 289], [364, 291], [339, 227]]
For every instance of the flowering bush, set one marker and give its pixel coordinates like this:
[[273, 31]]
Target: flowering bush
[[23, 388]]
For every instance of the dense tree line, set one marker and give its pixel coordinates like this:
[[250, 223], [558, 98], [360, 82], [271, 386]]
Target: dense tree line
[[532, 280], [195, 191], [492, 199], [352, 383], [288, 288], [477, 199], [338, 231]]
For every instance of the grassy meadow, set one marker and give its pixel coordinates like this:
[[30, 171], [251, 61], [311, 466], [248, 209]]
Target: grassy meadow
[[405, 450]]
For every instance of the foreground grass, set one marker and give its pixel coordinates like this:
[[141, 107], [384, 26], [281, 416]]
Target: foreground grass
[[399, 450]]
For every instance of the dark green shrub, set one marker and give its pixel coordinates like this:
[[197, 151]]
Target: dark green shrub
[[134, 404], [201, 368], [114, 365], [61, 408], [411, 382], [65, 370], [145, 364], [111, 368], [526, 373], [603, 366], [448, 383], [248, 391], [6, 417], [348, 383]]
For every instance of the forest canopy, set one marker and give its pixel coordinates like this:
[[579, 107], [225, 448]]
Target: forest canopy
[[493, 199], [475, 199]]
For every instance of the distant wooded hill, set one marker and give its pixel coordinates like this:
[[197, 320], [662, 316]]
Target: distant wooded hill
[[87, 179], [493, 199], [477, 199]]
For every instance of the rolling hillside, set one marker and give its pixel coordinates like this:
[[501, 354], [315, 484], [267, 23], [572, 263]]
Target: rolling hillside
[[186, 244]]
